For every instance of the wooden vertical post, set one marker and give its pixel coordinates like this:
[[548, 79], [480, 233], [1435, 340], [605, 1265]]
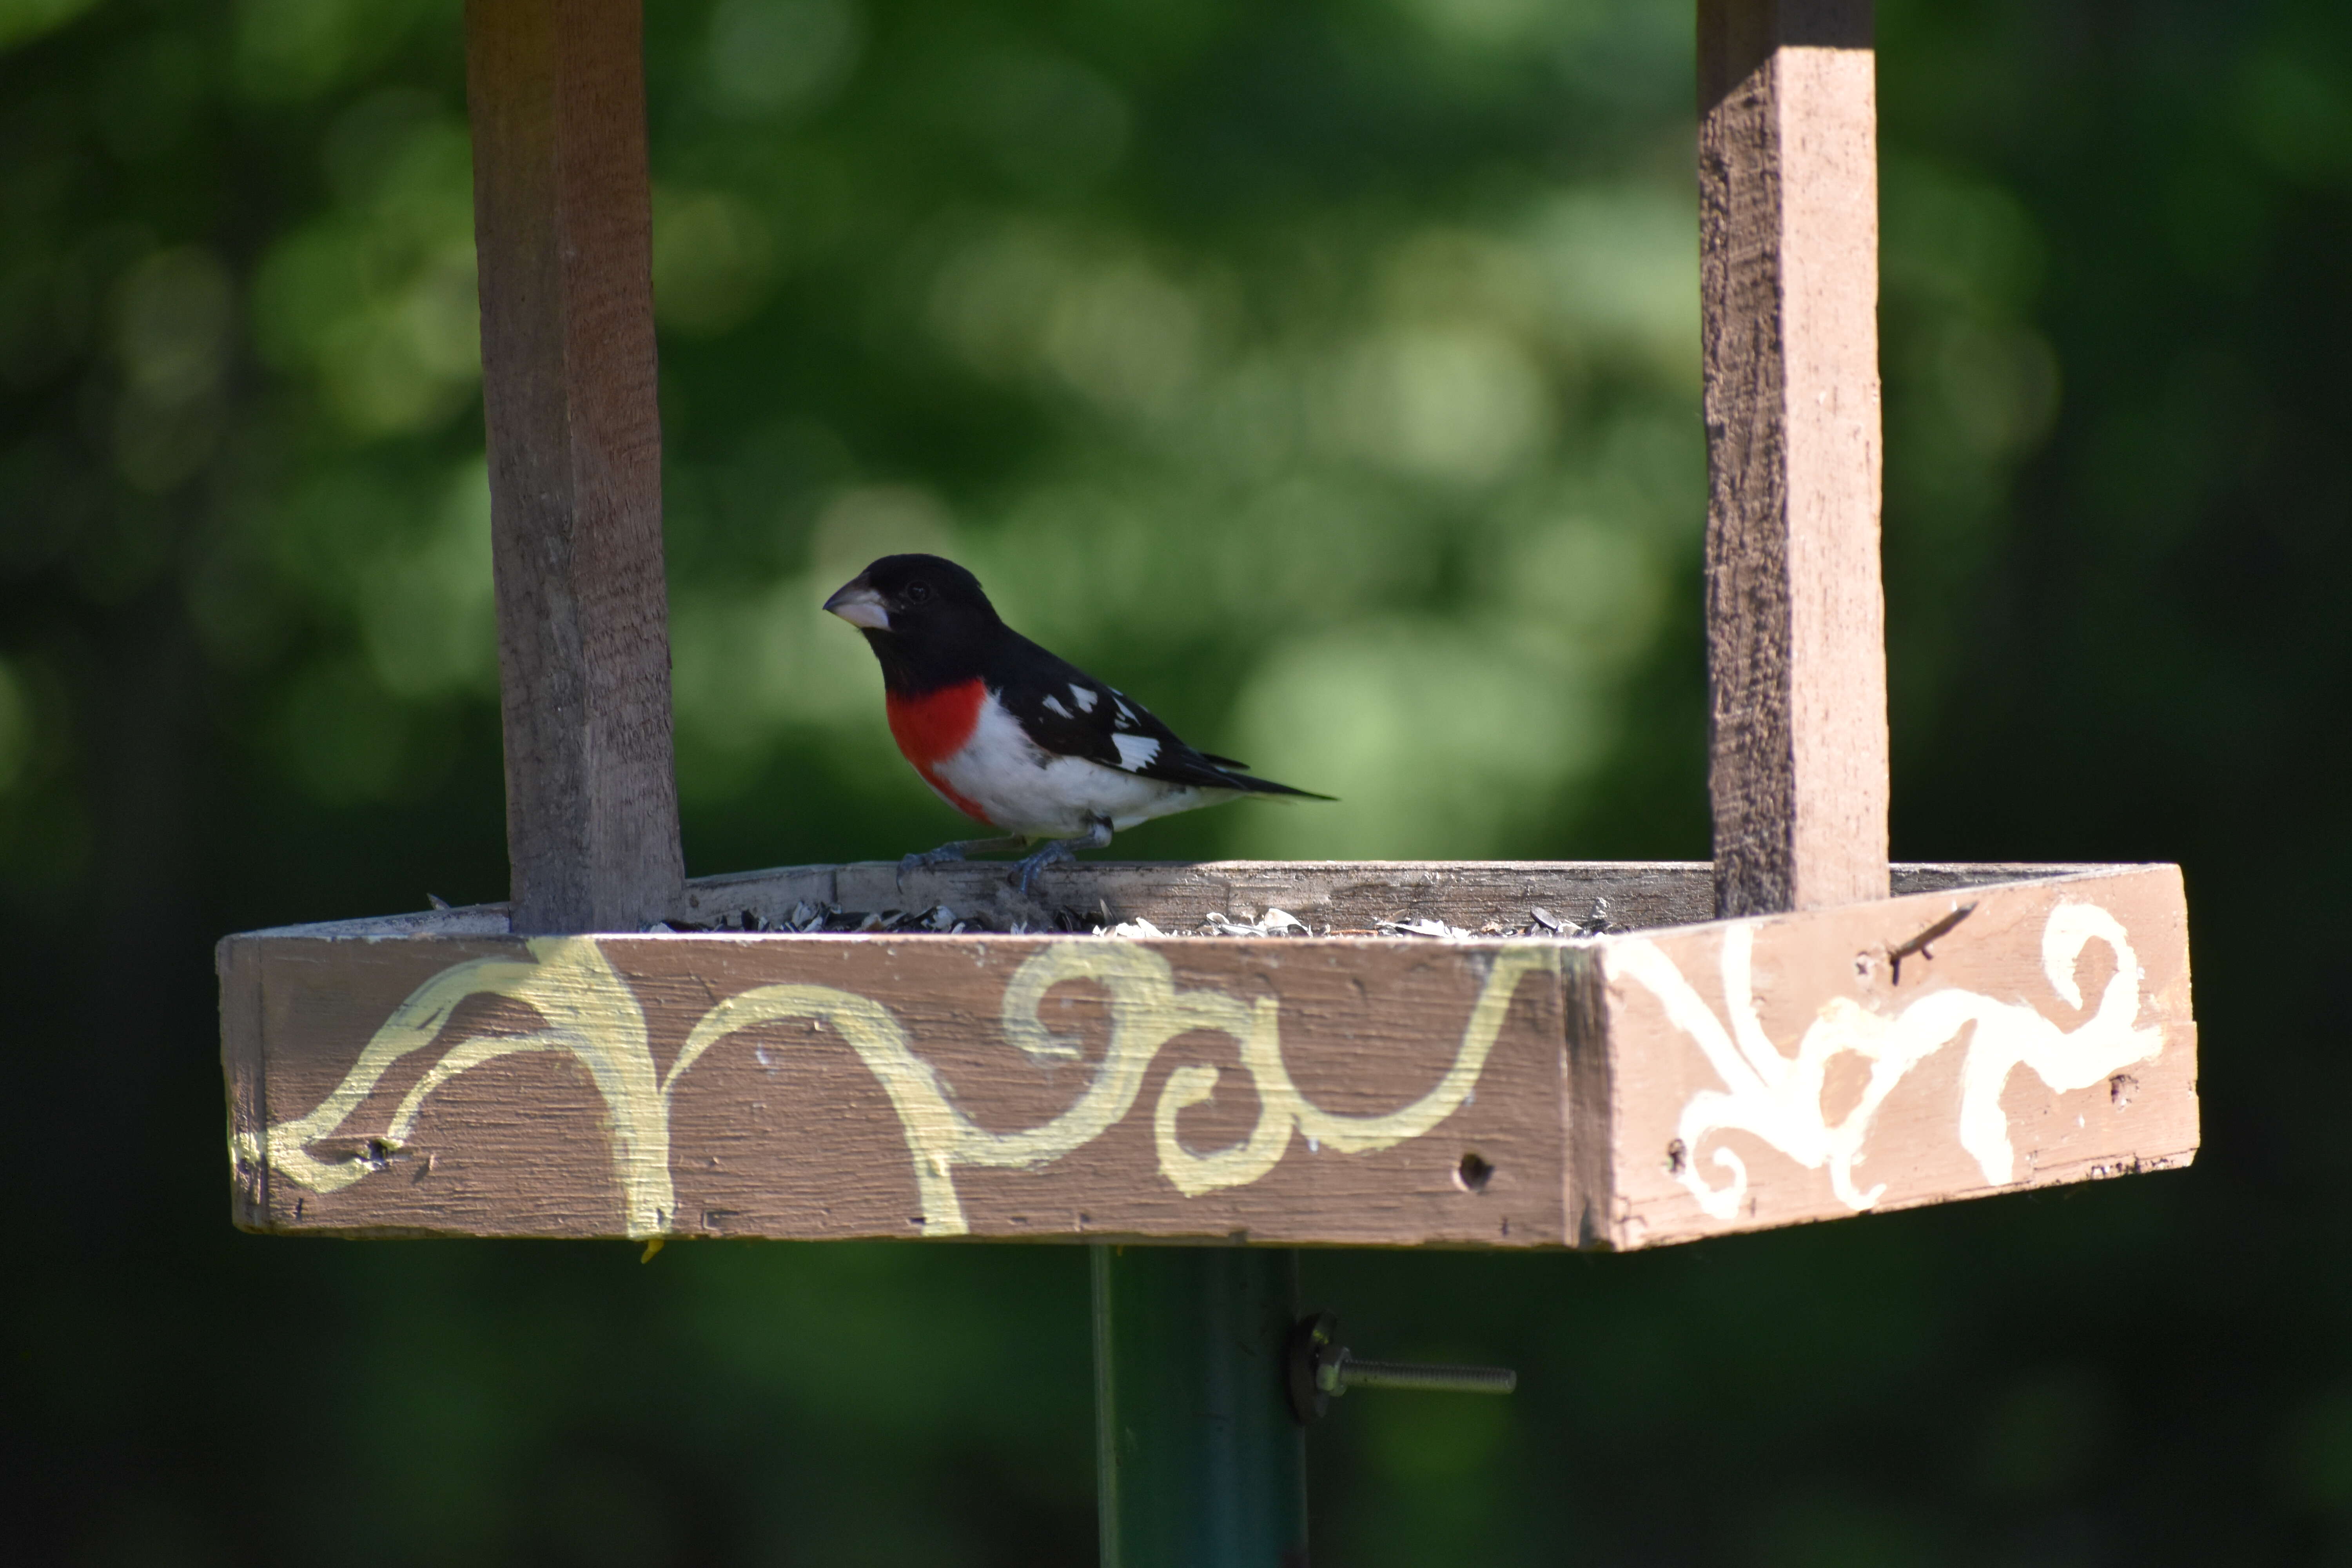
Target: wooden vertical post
[[1796, 635], [563, 223]]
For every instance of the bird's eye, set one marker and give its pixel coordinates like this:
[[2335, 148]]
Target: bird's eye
[[918, 592]]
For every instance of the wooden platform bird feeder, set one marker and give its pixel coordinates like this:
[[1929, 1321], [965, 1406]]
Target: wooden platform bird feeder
[[1797, 1032]]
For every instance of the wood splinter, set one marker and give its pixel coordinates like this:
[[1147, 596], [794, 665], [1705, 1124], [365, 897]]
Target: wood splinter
[[1919, 944]]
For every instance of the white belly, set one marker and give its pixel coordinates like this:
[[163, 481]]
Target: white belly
[[1025, 790]]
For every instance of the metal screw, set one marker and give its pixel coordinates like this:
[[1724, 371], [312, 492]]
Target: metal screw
[[1344, 1370], [1320, 1371]]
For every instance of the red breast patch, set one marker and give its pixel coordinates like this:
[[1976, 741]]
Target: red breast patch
[[933, 727]]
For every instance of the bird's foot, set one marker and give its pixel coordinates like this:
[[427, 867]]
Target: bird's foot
[[1025, 875], [925, 860], [945, 853]]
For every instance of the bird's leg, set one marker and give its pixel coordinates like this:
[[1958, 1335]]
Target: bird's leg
[[1025, 875], [956, 851]]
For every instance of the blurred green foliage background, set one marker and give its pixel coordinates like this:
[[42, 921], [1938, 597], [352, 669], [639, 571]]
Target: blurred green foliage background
[[1325, 371]]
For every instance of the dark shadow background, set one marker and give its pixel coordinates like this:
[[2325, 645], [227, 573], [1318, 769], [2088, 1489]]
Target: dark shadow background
[[1245, 346]]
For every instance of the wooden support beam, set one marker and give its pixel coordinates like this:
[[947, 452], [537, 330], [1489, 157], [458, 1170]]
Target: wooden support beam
[[563, 226], [1789, 269], [1621, 1091]]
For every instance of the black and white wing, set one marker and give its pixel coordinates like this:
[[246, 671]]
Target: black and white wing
[[1069, 714]]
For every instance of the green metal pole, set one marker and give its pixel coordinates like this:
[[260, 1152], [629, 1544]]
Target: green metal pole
[[1198, 1460]]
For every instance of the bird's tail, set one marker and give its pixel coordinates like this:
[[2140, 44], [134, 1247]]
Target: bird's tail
[[1238, 776]]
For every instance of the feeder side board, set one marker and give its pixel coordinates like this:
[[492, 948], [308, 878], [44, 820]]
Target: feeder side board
[[1654, 1085], [1789, 270], [244, 1055], [1882, 1055], [555, 89]]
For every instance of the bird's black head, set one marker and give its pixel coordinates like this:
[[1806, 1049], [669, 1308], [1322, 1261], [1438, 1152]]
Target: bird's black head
[[926, 617]]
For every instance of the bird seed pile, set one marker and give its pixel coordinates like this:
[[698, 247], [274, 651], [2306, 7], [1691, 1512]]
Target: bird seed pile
[[808, 919]]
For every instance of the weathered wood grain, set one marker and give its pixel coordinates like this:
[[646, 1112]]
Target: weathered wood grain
[[805, 1124], [1344, 894], [1789, 270], [555, 90], [243, 1056], [1271, 1089]]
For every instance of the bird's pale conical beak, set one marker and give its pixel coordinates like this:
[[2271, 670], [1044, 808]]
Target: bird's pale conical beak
[[859, 605]]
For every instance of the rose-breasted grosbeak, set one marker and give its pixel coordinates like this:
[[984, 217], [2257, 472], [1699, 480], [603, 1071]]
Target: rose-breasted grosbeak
[[1012, 736]]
